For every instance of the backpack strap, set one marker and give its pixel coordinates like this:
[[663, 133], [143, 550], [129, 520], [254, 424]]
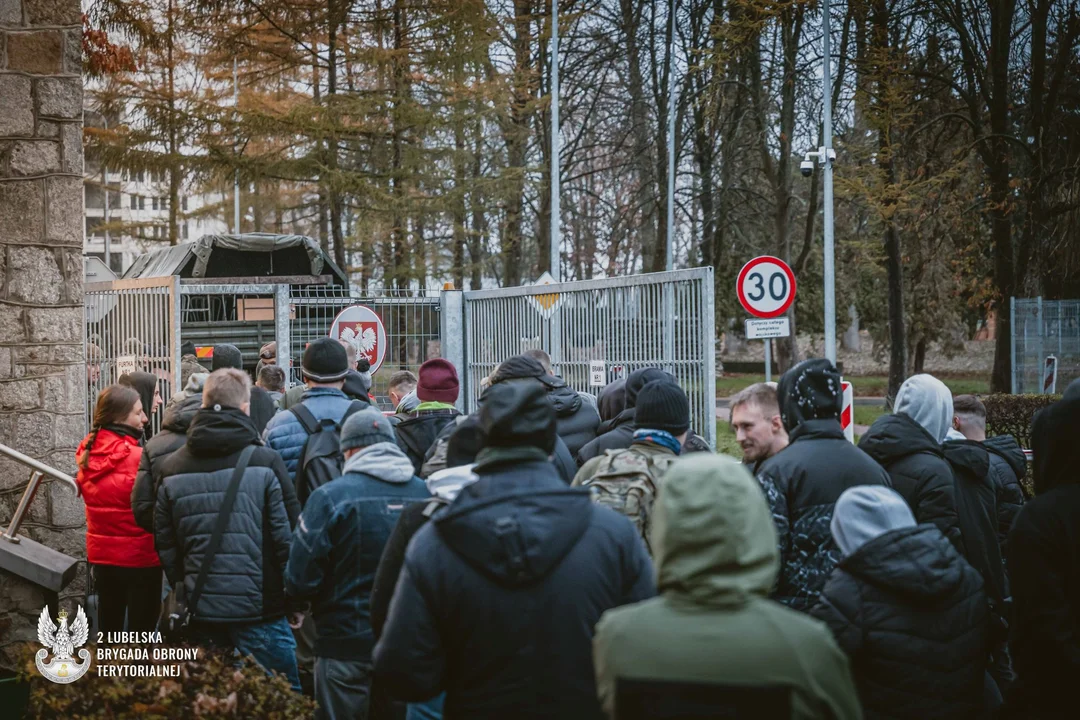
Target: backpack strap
[[354, 407], [307, 420], [220, 525]]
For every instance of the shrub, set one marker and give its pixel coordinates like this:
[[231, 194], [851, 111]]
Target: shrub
[[214, 686], [1012, 414]]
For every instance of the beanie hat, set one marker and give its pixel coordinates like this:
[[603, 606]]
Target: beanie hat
[[227, 356], [517, 414], [520, 367], [639, 379], [366, 427], [187, 348], [864, 512], [662, 405], [325, 361], [437, 382], [269, 350], [809, 391]]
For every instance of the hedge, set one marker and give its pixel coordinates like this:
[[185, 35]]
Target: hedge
[[1012, 414], [214, 686]]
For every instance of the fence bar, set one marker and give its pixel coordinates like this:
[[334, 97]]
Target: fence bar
[[452, 332], [281, 328], [1012, 344]]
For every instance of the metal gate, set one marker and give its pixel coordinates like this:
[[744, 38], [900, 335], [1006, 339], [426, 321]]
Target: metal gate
[[661, 320], [1041, 328], [131, 325]]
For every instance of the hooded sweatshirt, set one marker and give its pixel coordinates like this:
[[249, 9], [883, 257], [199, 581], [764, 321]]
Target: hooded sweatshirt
[[500, 593], [908, 445], [907, 609], [712, 644], [145, 384], [1044, 570], [338, 542]]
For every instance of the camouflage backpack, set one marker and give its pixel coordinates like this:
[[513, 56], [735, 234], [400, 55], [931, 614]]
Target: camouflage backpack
[[626, 481]]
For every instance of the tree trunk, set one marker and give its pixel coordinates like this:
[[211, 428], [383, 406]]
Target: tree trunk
[[642, 136]]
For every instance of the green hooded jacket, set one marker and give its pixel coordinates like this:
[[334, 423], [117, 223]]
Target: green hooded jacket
[[713, 624]]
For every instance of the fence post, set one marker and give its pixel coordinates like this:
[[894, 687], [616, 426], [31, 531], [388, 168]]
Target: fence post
[[1012, 344], [452, 339], [174, 334], [281, 329], [708, 327], [1039, 325]]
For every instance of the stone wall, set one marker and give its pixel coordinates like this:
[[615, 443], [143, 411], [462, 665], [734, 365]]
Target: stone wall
[[42, 369]]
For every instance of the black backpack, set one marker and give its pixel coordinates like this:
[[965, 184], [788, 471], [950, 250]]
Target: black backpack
[[321, 459]]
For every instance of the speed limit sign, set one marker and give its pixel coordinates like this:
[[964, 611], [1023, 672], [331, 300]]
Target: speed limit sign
[[766, 287]]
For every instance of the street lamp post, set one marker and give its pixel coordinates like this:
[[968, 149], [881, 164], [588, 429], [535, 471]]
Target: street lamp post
[[826, 159]]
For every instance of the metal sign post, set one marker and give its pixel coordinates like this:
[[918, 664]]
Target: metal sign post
[[766, 289]]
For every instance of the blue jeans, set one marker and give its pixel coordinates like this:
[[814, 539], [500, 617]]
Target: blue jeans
[[271, 643]]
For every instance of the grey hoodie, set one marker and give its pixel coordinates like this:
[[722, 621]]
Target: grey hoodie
[[384, 461], [864, 512], [927, 401]]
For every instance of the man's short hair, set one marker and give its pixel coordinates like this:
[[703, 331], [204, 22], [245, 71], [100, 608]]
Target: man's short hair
[[401, 378], [971, 408], [272, 378], [541, 357], [227, 387], [763, 395]]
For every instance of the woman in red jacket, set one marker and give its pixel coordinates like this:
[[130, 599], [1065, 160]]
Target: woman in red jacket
[[127, 572]]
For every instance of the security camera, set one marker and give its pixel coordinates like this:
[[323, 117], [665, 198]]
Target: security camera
[[806, 167]]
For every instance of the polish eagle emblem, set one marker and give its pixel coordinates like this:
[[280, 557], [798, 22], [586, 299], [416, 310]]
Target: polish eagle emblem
[[363, 340], [62, 641]]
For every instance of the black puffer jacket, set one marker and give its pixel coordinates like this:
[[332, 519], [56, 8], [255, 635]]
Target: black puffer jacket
[[246, 581], [417, 435], [912, 616], [1008, 467], [612, 400], [1044, 568], [576, 419], [618, 433], [917, 467], [976, 504], [803, 481], [500, 593], [170, 438]]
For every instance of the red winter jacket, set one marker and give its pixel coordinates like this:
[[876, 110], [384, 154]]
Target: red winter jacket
[[112, 537]]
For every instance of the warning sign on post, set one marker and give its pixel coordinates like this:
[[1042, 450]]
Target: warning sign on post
[[597, 373], [762, 329]]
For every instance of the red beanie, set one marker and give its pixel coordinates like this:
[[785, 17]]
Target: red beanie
[[438, 382]]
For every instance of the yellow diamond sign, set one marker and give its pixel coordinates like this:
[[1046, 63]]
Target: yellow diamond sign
[[546, 304]]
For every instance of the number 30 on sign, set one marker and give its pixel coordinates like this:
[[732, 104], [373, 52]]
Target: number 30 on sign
[[766, 287]]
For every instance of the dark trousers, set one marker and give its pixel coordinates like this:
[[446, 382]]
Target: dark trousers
[[134, 592]]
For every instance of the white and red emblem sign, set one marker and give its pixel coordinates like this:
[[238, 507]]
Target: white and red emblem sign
[[362, 328]]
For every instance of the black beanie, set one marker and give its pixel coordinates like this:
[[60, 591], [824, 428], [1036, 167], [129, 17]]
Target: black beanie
[[227, 356], [187, 348], [325, 361], [639, 379], [518, 413], [662, 405]]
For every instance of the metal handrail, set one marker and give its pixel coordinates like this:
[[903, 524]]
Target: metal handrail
[[37, 471]]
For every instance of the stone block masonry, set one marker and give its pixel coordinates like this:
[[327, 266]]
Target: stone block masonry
[[42, 361]]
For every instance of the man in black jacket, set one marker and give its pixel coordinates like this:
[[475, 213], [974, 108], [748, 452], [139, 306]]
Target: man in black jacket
[[803, 481], [907, 609], [908, 444], [500, 593], [576, 418], [171, 437], [1008, 466], [243, 603], [437, 389], [1044, 567]]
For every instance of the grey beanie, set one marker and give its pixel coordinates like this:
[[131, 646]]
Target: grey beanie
[[864, 512], [366, 427]]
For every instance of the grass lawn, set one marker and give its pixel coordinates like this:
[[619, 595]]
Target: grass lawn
[[865, 385], [725, 441]]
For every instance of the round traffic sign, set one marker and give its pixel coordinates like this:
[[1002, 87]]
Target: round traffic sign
[[362, 328], [766, 287]]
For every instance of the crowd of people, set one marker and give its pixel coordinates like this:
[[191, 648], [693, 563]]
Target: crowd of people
[[559, 555]]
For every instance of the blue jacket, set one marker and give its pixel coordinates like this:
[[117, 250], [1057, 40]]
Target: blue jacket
[[284, 432], [499, 595], [338, 542]]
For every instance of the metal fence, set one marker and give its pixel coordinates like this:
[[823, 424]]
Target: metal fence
[[131, 325], [655, 320], [1041, 328]]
